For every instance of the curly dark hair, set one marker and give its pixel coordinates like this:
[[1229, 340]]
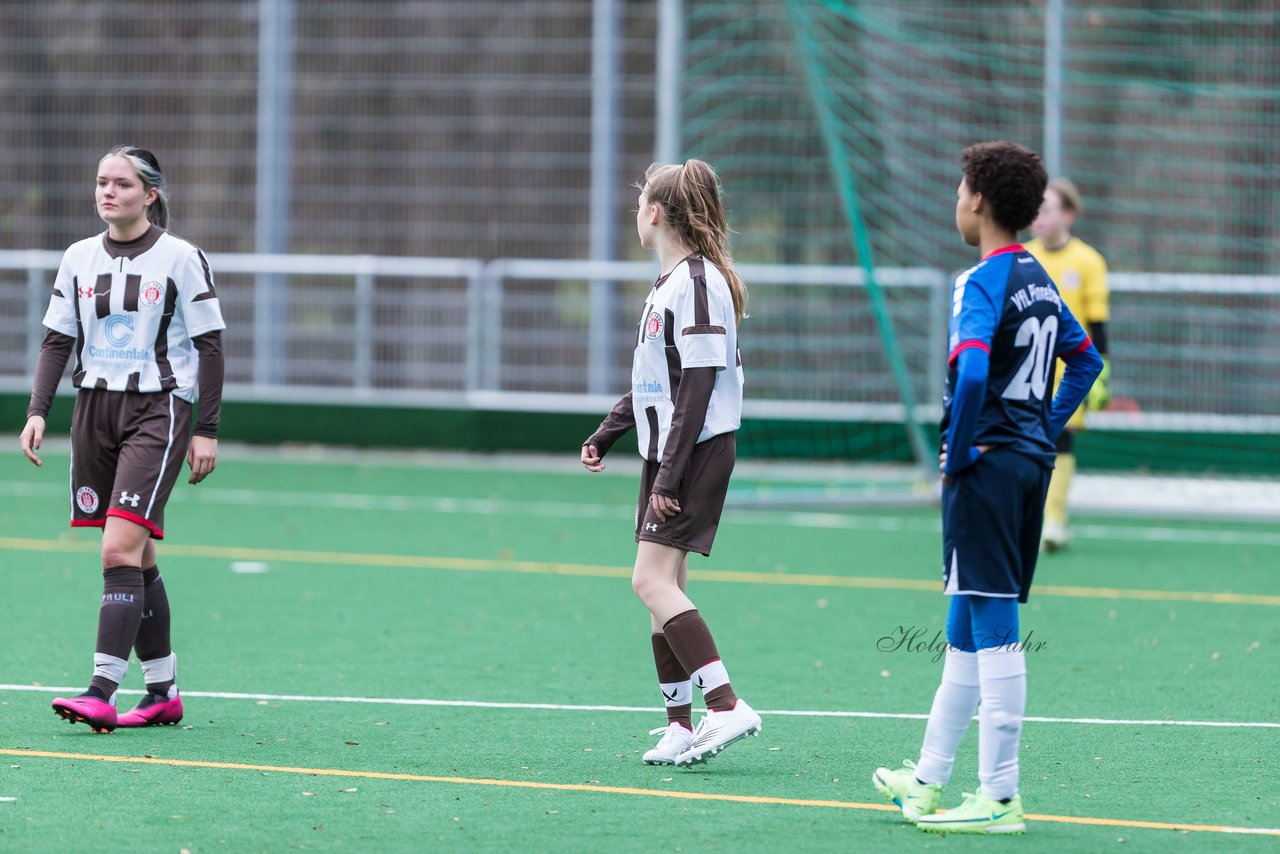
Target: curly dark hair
[[1010, 178]]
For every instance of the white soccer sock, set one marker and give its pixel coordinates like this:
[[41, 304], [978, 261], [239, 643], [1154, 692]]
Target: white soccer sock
[[677, 693], [159, 670], [110, 667], [710, 676], [953, 708], [1003, 676]]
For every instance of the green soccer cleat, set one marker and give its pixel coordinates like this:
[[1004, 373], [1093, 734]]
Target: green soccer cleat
[[916, 799], [978, 814]]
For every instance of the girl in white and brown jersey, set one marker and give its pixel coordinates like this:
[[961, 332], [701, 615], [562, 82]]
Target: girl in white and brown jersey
[[137, 307], [685, 404]]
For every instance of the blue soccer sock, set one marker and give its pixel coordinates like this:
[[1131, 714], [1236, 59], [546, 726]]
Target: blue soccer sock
[[993, 621]]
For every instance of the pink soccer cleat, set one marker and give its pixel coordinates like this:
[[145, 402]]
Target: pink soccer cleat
[[87, 709], [154, 710]]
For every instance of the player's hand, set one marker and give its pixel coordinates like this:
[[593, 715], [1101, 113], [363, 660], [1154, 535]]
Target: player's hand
[[32, 436], [1100, 393], [202, 457], [942, 461], [591, 458], [664, 506]]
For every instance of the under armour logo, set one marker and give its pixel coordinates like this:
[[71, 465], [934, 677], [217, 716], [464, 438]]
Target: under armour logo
[[651, 526], [131, 500], [700, 682], [673, 696], [85, 292]]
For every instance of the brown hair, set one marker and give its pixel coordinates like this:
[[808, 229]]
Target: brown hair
[[690, 197], [1067, 194]]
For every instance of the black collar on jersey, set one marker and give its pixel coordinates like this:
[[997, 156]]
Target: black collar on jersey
[[132, 248]]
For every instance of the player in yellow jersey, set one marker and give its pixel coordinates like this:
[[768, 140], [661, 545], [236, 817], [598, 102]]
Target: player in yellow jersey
[[1080, 273]]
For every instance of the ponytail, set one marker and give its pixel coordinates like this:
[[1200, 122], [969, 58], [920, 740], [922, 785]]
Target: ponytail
[[691, 201]]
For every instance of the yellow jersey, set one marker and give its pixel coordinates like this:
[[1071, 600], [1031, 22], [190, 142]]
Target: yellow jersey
[[1080, 272]]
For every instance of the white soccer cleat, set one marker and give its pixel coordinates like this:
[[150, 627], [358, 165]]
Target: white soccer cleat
[[676, 739], [718, 730], [1055, 537]]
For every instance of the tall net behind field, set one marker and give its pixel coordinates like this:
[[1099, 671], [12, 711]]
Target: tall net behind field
[[1168, 118]]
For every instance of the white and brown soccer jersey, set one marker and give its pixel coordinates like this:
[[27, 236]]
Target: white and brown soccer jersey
[[688, 322], [133, 309]]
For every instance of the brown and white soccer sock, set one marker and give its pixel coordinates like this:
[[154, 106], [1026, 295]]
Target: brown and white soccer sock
[[673, 679], [691, 641], [152, 645], [118, 619]]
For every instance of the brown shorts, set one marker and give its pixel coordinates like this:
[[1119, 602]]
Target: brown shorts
[[701, 498], [127, 450]]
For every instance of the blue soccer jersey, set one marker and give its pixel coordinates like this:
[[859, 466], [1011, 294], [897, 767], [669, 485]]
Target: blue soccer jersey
[[1008, 307]]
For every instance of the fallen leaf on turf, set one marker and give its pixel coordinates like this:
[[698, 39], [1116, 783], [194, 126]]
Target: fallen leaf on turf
[[350, 742]]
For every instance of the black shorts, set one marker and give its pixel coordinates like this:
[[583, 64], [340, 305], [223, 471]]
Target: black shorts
[[701, 498], [992, 514], [127, 450]]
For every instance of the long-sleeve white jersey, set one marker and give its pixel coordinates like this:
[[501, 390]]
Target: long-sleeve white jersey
[[134, 309], [688, 322]]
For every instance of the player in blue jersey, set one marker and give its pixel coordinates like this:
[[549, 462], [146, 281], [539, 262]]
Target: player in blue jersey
[[1008, 328]]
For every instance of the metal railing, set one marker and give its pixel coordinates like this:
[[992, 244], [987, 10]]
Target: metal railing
[[519, 334]]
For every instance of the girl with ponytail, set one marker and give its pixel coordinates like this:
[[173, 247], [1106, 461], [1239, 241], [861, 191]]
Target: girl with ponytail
[[685, 404]]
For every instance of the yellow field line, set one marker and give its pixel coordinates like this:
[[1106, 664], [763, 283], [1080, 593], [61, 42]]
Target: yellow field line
[[612, 790], [595, 571]]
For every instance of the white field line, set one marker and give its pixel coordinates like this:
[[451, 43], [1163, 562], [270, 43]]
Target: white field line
[[568, 510], [563, 707]]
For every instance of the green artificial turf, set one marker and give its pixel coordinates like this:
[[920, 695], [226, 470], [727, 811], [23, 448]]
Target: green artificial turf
[[510, 624]]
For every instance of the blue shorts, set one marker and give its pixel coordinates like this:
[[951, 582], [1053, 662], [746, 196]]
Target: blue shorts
[[992, 514]]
